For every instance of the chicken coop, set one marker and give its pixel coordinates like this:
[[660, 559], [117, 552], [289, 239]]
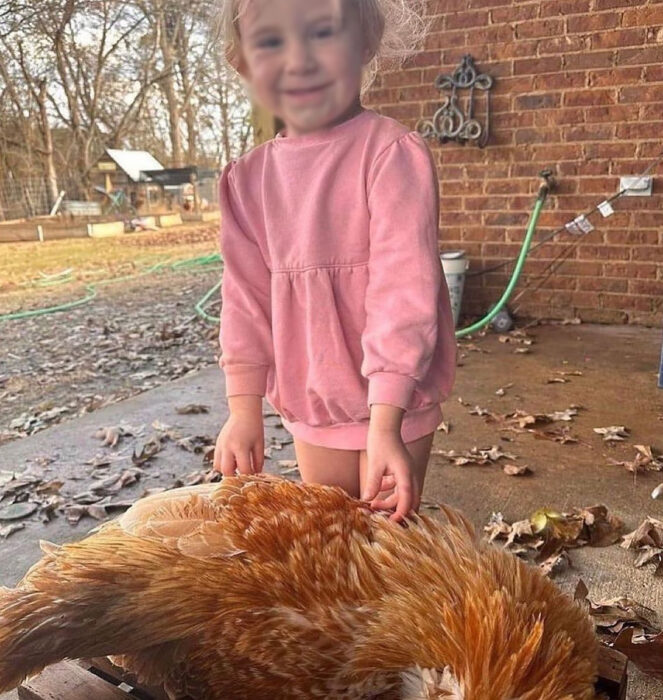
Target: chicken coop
[[190, 189], [119, 177]]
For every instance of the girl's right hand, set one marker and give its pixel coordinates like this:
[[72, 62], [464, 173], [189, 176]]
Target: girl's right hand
[[240, 445]]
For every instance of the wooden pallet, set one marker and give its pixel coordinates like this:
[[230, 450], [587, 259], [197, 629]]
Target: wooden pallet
[[99, 679], [613, 679], [87, 679]]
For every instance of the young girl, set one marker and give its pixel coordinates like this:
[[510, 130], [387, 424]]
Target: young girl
[[334, 303]]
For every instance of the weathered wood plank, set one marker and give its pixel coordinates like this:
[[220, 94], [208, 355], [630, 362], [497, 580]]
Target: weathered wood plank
[[103, 664], [71, 681], [613, 678]]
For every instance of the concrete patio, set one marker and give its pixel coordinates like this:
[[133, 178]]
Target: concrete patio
[[618, 386]]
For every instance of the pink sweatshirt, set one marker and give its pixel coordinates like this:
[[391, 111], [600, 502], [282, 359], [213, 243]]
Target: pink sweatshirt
[[333, 294]]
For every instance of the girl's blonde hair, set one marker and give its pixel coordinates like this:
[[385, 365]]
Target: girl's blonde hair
[[393, 29]]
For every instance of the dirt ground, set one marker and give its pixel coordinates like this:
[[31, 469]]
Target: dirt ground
[[142, 340]]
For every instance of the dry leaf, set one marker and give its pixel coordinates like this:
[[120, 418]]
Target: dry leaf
[[517, 470], [555, 563], [647, 540], [195, 443], [288, 466], [110, 436], [478, 411], [613, 433], [562, 435], [645, 460], [10, 529], [614, 615], [191, 409], [430, 505], [567, 415], [647, 655]]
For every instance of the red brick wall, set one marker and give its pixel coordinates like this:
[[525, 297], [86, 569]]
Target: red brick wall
[[579, 89]]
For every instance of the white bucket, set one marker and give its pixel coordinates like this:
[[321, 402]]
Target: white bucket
[[455, 264]]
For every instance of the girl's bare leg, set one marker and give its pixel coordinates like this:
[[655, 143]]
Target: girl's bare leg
[[326, 465], [420, 451]]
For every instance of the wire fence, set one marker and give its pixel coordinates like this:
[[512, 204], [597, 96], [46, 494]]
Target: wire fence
[[25, 198], [28, 197]]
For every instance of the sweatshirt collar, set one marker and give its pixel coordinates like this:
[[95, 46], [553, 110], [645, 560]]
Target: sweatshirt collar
[[321, 135]]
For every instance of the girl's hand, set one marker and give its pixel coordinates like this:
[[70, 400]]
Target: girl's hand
[[390, 466], [240, 445]]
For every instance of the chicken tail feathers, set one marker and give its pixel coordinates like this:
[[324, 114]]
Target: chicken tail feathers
[[101, 597], [26, 647]]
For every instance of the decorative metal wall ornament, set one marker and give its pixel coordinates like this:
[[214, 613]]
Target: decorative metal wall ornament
[[450, 123]]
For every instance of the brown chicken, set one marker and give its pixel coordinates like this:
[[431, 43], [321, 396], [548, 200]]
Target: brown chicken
[[258, 588]]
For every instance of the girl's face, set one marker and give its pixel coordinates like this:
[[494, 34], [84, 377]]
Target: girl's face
[[303, 60]]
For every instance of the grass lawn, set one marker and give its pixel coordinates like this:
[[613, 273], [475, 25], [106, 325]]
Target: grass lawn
[[25, 268]]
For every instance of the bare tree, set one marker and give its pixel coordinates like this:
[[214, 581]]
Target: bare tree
[[78, 76], [26, 90]]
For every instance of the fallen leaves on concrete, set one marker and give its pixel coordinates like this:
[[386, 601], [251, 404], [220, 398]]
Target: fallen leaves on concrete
[[545, 536], [616, 614], [476, 455], [23, 495], [629, 627], [94, 356], [647, 541], [520, 421], [646, 459]]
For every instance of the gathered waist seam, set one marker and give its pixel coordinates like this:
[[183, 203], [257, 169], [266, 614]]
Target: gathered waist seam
[[323, 266]]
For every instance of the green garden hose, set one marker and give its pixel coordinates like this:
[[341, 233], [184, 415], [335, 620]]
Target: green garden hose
[[544, 190], [91, 288]]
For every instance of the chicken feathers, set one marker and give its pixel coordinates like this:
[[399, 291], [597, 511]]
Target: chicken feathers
[[259, 587]]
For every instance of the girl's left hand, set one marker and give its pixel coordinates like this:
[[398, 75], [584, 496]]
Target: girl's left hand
[[390, 466]]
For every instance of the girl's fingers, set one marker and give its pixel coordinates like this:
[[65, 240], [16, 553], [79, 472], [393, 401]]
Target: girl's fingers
[[388, 482], [244, 463], [216, 465], [388, 503], [405, 493], [372, 486], [227, 463], [258, 458], [416, 499]]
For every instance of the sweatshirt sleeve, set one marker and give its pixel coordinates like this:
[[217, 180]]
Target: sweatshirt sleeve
[[246, 329], [404, 271]]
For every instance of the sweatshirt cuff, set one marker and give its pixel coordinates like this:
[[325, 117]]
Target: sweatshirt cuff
[[390, 388], [246, 379]]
